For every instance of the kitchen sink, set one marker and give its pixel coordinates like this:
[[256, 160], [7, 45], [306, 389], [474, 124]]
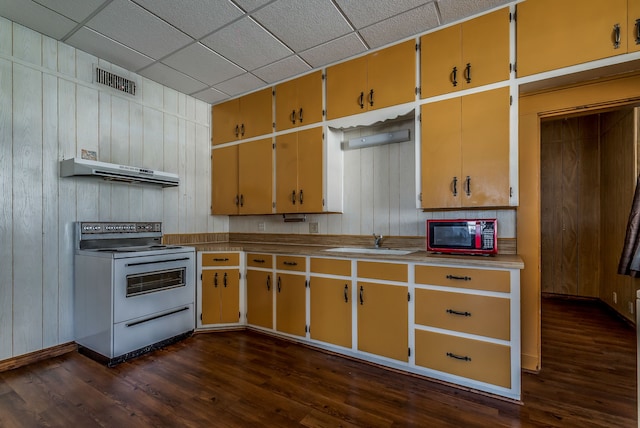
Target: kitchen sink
[[381, 251]]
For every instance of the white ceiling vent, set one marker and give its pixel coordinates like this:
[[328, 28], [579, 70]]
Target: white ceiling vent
[[114, 81]]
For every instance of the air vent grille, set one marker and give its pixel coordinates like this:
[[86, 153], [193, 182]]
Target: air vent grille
[[114, 81]]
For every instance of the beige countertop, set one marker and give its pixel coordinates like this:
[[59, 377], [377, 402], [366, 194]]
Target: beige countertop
[[419, 255]]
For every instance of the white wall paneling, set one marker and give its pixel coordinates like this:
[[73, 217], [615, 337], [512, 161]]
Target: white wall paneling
[[51, 110]]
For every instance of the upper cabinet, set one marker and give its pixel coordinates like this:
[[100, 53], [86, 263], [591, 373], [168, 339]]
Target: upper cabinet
[[299, 101], [465, 151], [380, 79], [471, 54], [241, 118], [553, 34]]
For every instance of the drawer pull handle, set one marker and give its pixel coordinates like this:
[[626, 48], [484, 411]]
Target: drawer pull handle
[[464, 314], [459, 278], [258, 260], [290, 263], [221, 260], [458, 357]]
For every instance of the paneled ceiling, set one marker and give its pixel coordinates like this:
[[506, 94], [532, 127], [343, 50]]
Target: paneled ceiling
[[218, 49]]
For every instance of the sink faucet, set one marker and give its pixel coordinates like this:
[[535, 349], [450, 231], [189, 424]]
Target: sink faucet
[[377, 240]]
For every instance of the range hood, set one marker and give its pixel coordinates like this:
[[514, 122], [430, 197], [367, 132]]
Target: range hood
[[76, 167]]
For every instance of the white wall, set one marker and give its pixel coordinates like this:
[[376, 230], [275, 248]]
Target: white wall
[[51, 110]]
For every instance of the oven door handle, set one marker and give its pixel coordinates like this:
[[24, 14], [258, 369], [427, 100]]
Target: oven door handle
[[131, 324], [157, 261]]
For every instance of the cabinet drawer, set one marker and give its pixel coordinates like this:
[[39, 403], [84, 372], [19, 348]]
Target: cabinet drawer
[[478, 279], [295, 263], [260, 260], [381, 270], [340, 267], [220, 259], [468, 313], [473, 359]]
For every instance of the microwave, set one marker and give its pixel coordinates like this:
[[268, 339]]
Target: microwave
[[463, 236]]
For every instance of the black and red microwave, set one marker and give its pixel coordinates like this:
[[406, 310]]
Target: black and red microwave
[[463, 236]]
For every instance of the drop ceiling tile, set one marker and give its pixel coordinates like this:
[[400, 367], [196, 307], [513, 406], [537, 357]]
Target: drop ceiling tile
[[78, 10], [455, 10], [167, 76], [210, 96], [251, 5], [133, 26], [241, 84], [334, 51], [203, 64], [103, 47], [247, 44], [197, 18], [282, 69], [36, 17], [362, 14], [401, 26], [300, 26]]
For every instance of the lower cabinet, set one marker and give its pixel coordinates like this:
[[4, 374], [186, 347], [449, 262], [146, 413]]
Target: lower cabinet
[[259, 281], [291, 294], [219, 289]]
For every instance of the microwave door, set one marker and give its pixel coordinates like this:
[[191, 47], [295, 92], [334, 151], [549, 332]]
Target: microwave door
[[453, 236]]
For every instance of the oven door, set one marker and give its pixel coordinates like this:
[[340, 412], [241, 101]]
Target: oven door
[[150, 284]]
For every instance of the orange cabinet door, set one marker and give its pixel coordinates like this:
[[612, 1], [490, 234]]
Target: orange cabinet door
[[230, 296], [331, 310], [299, 101], [256, 113], [224, 122], [291, 304], [224, 181], [391, 76], [441, 62], [255, 177], [259, 298], [310, 167], [287, 173], [211, 303], [347, 88], [633, 26]]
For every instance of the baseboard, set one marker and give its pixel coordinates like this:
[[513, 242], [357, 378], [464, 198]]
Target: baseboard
[[33, 357]]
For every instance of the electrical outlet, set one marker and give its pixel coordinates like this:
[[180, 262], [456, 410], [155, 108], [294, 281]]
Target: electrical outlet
[[261, 226], [631, 307], [615, 297], [313, 227]]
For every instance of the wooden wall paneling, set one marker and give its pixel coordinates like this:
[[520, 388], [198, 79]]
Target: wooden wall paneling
[[182, 169], [170, 198], [27, 45], [27, 209], [409, 216], [588, 227], [120, 155], [104, 148], [152, 156], [170, 101], [6, 37], [67, 197], [190, 177], [352, 179], [203, 178], [136, 142], [66, 59], [50, 286], [381, 192], [569, 214], [6, 208], [84, 66], [49, 53], [152, 94], [367, 190], [87, 138]]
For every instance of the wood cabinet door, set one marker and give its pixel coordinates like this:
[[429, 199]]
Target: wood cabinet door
[[256, 114], [230, 296], [310, 98], [554, 34], [383, 323], [224, 119], [287, 173], [310, 168], [331, 310], [287, 105], [440, 158], [255, 185], [347, 88], [485, 47], [440, 54], [259, 298], [391, 75], [211, 299], [485, 149], [633, 26], [224, 180], [291, 298]]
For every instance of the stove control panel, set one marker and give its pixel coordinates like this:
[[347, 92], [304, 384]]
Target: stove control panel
[[96, 228]]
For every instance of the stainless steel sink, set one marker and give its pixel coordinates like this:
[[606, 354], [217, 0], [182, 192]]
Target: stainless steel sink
[[381, 251]]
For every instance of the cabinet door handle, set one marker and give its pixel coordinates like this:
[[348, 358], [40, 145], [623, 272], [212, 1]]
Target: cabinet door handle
[[224, 280], [290, 263], [455, 186], [241, 200], [454, 312], [237, 131], [268, 282], [458, 357], [467, 73], [361, 102], [237, 200], [454, 76], [221, 260], [459, 278], [638, 31], [346, 293], [242, 129], [215, 280], [300, 115], [293, 197], [300, 197], [292, 117], [361, 295], [279, 284], [468, 186], [616, 36], [371, 97]]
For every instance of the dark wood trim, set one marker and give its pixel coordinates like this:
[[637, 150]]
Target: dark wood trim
[[33, 357]]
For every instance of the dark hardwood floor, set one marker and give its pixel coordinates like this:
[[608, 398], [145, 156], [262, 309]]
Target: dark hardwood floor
[[246, 379]]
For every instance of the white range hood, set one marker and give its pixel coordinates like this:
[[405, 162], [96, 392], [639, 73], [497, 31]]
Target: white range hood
[[76, 167]]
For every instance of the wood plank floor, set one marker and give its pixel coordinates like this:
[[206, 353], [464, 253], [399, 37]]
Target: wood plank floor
[[246, 379]]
